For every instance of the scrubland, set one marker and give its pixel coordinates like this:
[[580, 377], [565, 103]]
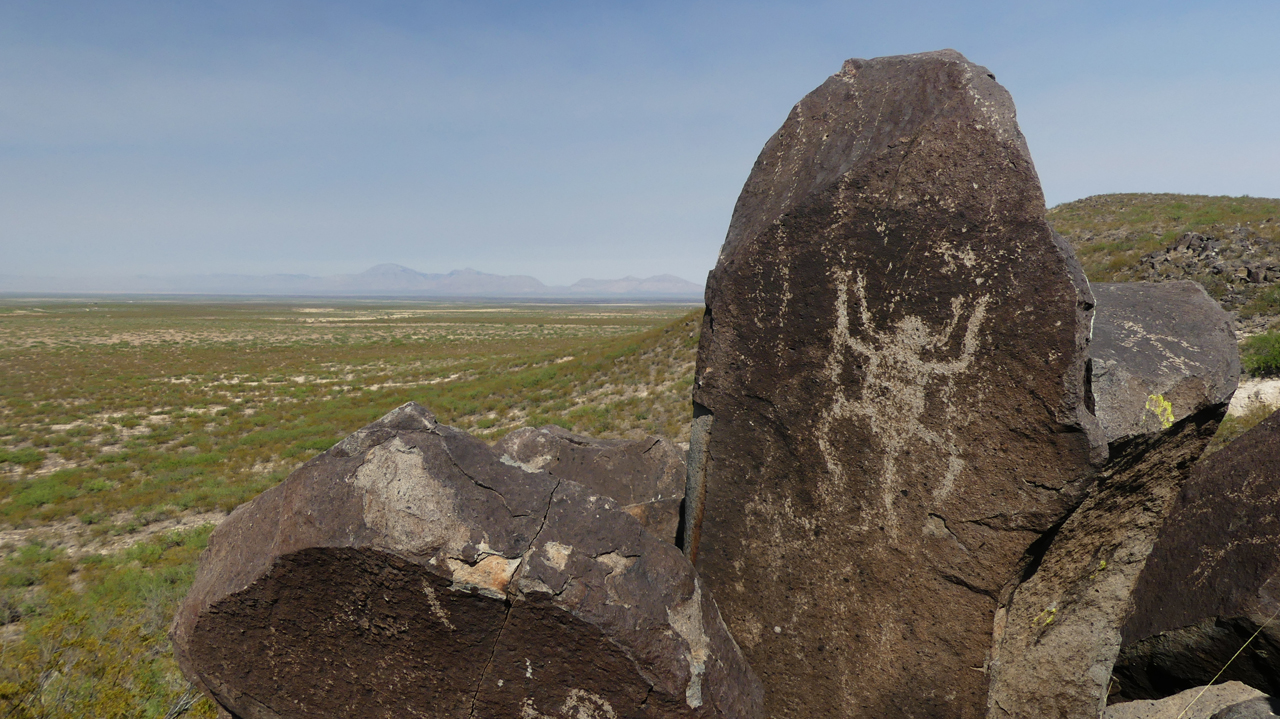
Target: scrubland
[[127, 429]]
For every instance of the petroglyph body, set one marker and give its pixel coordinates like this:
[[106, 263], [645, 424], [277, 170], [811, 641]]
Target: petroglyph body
[[899, 378], [888, 400]]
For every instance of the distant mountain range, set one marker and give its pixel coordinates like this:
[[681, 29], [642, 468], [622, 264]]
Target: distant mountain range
[[388, 280]]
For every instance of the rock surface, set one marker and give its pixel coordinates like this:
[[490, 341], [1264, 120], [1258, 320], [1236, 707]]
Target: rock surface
[[1195, 703], [1211, 581], [1259, 708], [646, 476], [1164, 364], [1158, 353], [409, 572], [891, 389]]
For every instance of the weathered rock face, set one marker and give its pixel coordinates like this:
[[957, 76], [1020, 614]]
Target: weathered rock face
[[890, 386], [1216, 702], [646, 476], [409, 572], [1159, 352], [1164, 364], [1211, 580]]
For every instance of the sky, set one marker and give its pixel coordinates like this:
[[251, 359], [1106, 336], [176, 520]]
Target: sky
[[555, 139]]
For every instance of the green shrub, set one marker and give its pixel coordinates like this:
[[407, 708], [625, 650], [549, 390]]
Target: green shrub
[[26, 456], [1260, 355]]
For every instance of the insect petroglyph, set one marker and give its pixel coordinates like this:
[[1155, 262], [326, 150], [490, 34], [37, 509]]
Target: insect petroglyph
[[904, 367]]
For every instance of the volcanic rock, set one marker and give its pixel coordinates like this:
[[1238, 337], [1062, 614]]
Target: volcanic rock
[[1215, 702], [646, 476], [1258, 708], [1163, 363], [409, 572], [1158, 353], [891, 391], [1211, 581]]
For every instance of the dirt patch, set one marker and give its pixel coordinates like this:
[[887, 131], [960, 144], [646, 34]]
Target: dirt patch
[[77, 539]]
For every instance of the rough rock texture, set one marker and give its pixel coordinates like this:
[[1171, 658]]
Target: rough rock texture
[[408, 572], [1195, 703], [1212, 578], [891, 388], [1159, 352], [646, 476], [1164, 364], [1259, 708]]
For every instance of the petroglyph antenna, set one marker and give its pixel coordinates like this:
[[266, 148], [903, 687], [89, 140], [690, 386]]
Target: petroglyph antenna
[[898, 379]]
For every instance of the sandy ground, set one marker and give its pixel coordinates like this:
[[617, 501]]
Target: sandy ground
[[1254, 392], [78, 540]]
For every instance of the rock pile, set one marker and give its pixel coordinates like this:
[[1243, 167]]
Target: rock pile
[[1235, 267], [929, 474]]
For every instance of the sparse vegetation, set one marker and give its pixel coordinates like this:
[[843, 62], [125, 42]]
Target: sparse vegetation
[[119, 418], [1111, 233], [1260, 355]]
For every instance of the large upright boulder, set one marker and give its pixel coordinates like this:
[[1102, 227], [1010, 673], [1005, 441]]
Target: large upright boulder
[[645, 476], [1164, 363], [890, 392], [409, 572], [1213, 579]]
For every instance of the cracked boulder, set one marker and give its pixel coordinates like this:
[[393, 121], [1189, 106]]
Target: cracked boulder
[[409, 572], [890, 392], [646, 477], [1164, 365], [1213, 579]]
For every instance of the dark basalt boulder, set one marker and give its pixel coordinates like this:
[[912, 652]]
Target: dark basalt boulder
[[1210, 583], [890, 392], [645, 476], [409, 572], [1164, 364], [1159, 352]]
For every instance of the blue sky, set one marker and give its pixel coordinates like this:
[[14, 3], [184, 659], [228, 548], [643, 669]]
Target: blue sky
[[557, 139]]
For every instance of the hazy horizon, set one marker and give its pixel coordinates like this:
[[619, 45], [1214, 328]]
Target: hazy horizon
[[387, 279], [563, 141]]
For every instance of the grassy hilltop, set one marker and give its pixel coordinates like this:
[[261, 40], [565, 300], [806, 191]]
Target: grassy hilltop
[[1111, 233]]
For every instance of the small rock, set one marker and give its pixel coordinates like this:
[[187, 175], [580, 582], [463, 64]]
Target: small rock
[[1260, 708]]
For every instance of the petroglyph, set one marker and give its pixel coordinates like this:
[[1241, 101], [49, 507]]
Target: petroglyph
[[579, 704], [898, 380]]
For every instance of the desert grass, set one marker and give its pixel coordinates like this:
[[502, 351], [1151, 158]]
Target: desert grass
[[127, 428]]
